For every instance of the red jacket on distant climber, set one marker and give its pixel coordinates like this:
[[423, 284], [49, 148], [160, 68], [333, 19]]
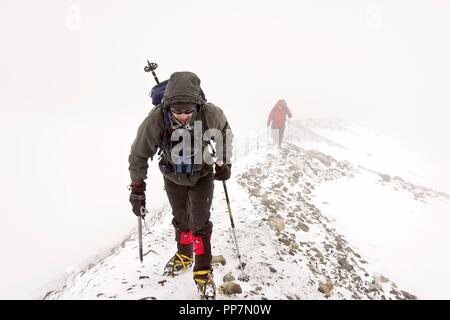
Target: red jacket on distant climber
[[278, 115]]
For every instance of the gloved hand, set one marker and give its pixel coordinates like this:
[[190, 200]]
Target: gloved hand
[[137, 197], [222, 172]]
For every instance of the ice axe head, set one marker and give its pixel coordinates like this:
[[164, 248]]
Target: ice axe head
[[143, 212], [151, 66]]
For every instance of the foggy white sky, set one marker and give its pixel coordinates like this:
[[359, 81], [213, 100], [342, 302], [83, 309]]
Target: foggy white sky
[[73, 91], [380, 62]]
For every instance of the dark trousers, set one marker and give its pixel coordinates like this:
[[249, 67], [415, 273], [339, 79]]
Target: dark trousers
[[278, 133], [191, 213]]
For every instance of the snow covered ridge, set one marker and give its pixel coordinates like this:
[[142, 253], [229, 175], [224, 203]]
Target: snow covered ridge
[[318, 257], [418, 192], [292, 247]]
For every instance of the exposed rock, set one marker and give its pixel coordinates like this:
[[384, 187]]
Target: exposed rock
[[394, 292], [303, 227], [344, 264], [230, 288], [219, 260], [379, 280], [385, 177], [48, 294], [313, 268], [372, 286], [228, 277], [272, 269], [162, 282], [277, 224], [326, 287], [318, 253], [409, 295], [285, 241]]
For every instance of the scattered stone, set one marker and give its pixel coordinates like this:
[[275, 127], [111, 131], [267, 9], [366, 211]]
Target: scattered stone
[[313, 268], [48, 294], [377, 285], [228, 277], [272, 269], [384, 279], [277, 224], [326, 288], [409, 295], [219, 260], [230, 288], [294, 245], [318, 253], [285, 241], [372, 287], [343, 263], [394, 292], [162, 282], [303, 227]]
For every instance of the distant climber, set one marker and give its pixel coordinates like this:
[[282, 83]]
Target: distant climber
[[277, 118]]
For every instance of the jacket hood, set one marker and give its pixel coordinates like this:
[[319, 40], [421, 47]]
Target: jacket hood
[[183, 87]]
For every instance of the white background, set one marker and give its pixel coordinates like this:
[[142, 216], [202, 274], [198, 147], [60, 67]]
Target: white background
[[73, 92]]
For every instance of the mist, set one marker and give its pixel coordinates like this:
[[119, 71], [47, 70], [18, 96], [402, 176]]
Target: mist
[[73, 93]]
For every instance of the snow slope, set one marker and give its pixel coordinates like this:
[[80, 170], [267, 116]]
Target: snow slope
[[300, 229]]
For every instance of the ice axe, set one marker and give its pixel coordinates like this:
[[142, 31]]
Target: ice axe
[[140, 218], [151, 67]]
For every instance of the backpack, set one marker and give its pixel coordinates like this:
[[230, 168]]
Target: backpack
[[157, 93]]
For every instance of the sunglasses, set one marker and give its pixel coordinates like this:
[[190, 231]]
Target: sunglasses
[[182, 111]]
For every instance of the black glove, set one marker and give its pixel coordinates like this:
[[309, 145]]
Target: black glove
[[223, 172], [137, 197]]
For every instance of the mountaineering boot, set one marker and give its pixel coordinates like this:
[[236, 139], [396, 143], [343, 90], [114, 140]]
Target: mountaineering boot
[[177, 264], [182, 260], [205, 284]]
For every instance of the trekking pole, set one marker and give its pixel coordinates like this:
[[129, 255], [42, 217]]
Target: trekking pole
[[242, 276], [151, 67]]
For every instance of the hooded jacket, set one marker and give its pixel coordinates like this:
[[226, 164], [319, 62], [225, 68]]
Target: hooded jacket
[[278, 115], [155, 132]]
